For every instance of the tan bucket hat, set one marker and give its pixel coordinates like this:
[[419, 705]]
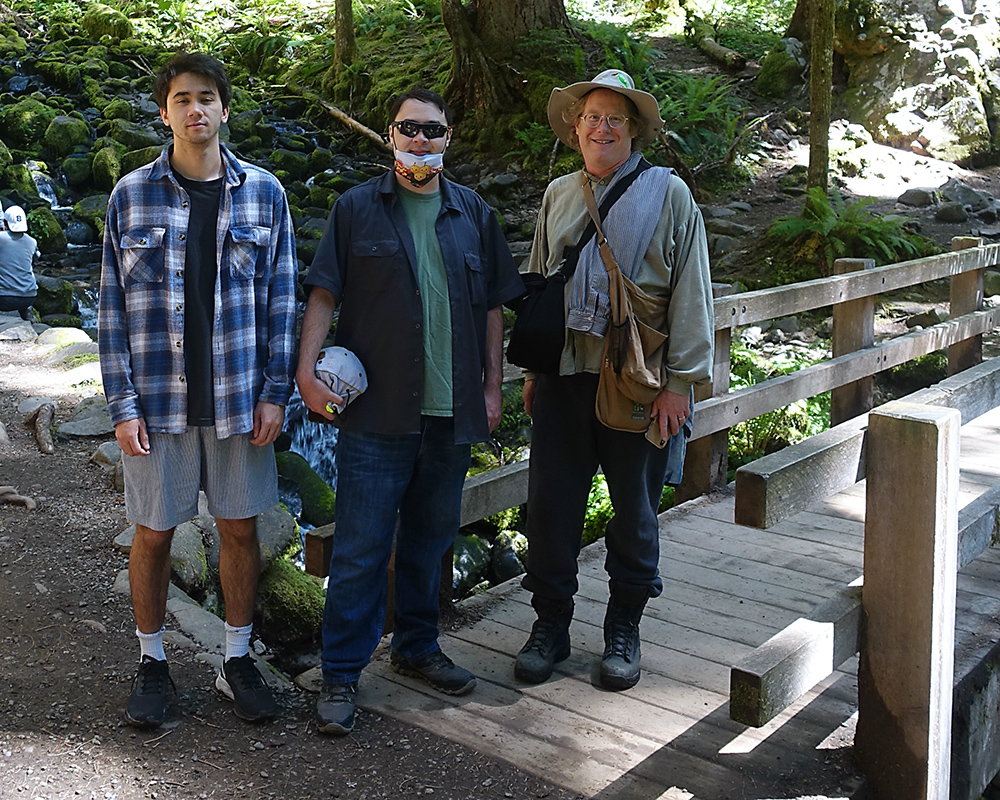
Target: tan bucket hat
[[616, 81]]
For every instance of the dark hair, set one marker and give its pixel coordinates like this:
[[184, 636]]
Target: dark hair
[[424, 96], [199, 64]]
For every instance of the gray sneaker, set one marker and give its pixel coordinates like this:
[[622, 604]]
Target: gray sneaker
[[335, 708], [439, 671], [240, 681]]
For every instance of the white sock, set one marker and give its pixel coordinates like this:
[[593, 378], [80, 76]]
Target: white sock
[[152, 644], [237, 641]]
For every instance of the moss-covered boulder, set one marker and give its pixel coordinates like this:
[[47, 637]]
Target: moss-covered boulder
[[18, 177], [94, 91], [782, 68], [118, 108], [60, 73], [101, 20], [290, 604], [296, 165], [23, 124], [11, 43], [107, 169], [55, 296], [133, 136], [243, 125], [43, 225], [77, 169], [65, 133], [139, 158], [93, 209], [6, 159], [470, 564], [318, 499]]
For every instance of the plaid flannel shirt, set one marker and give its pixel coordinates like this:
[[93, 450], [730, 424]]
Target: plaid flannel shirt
[[141, 311]]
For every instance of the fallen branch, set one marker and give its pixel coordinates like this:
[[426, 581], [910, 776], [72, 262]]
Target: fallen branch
[[703, 36], [41, 420], [340, 116], [8, 494], [674, 160]]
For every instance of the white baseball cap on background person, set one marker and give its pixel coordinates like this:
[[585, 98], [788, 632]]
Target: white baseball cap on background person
[[341, 370], [16, 220]]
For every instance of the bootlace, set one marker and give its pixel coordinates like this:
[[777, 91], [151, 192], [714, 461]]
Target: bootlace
[[541, 633], [243, 670], [622, 639], [153, 677]]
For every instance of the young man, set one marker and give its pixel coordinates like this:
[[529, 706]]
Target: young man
[[419, 269], [197, 343], [18, 287]]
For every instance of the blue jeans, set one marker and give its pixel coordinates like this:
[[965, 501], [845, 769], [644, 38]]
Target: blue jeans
[[420, 476]]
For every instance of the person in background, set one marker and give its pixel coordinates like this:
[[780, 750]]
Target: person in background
[[197, 342], [656, 232], [419, 268], [18, 250]]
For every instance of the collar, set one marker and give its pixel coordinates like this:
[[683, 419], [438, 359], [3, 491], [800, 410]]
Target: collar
[[233, 172], [624, 168]]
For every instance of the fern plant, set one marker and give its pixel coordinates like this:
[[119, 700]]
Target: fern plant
[[830, 228]]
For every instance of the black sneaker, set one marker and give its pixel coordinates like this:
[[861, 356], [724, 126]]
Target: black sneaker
[[240, 681], [335, 708], [438, 670], [147, 705]]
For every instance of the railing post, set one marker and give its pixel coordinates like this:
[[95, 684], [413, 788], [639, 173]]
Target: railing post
[[905, 674], [853, 329], [706, 464], [966, 297]]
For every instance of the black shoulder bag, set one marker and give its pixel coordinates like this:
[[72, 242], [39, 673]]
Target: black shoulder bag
[[539, 333]]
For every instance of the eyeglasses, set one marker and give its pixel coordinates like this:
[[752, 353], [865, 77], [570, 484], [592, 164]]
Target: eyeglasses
[[616, 121], [409, 128]]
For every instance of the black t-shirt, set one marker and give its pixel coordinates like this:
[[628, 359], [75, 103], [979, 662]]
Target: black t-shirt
[[200, 271]]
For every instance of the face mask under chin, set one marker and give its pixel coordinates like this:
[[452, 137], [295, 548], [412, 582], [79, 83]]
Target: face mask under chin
[[419, 170]]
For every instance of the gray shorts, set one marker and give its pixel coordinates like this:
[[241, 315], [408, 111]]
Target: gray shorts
[[161, 489]]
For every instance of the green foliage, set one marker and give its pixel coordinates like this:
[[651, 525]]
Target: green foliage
[[750, 28], [703, 115], [510, 436], [599, 511], [537, 140], [776, 429], [830, 228], [919, 373]]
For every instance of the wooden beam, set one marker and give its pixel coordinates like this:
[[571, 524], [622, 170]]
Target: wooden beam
[[791, 662], [749, 307], [776, 486]]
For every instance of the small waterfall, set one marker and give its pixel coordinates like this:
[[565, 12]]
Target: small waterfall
[[315, 442], [43, 183]]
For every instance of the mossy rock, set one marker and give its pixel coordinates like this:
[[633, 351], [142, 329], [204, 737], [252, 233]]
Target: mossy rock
[[55, 296], [43, 225], [23, 124], [294, 164], [321, 197], [118, 109], [139, 158], [470, 564], [320, 159], [94, 91], [60, 31], [18, 177], [133, 136], [795, 177], [94, 68], [78, 169], [6, 159], [102, 21], [60, 73], [242, 101], [93, 209], [290, 602], [243, 125], [107, 169], [12, 45], [65, 133], [318, 499], [120, 71], [780, 71]]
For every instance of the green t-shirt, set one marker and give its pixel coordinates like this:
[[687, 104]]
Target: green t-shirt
[[421, 212]]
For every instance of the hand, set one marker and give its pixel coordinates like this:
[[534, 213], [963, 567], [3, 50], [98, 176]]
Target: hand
[[267, 421], [317, 395], [528, 394], [132, 437], [671, 409], [494, 405]]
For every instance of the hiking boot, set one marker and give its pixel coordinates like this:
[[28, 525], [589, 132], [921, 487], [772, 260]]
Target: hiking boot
[[147, 705], [335, 708], [620, 664], [240, 681], [548, 642], [439, 671]]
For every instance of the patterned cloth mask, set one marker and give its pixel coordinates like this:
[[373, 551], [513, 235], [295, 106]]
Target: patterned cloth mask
[[419, 170]]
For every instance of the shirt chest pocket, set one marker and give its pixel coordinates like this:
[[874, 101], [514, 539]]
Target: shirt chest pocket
[[477, 280], [142, 255], [379, 263], [246, 249]]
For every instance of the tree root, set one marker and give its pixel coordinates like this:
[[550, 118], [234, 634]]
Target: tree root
[[41, 420], [8, 494]]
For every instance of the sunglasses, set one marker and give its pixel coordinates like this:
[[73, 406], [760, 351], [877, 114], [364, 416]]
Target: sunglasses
[[409, 128]]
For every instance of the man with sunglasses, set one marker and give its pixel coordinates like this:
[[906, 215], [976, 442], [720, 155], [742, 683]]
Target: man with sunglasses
[[419, 268]]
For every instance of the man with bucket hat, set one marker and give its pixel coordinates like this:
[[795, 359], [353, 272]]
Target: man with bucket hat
[[657, 235]]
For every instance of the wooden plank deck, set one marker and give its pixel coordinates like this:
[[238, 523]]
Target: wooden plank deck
[[727, 589]]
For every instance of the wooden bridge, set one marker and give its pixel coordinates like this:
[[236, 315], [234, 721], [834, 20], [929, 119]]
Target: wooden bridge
[[750, 684]]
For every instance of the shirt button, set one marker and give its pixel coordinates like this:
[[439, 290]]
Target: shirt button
[[414, 394], [374, 249], [180, 272], [417, 359], [181, 237], [181, 379], [184, 204], [417, 326], [142, 241], [178, 344], [179, 307]]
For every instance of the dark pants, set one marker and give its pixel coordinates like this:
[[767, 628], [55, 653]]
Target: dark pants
[[18, 303], [567, 446]]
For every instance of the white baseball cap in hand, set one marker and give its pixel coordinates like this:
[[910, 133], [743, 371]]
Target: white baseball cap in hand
[[341, 370]]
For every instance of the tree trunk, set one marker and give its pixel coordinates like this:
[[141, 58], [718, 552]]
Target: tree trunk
[[820, 91], [343, 43], [483, 36], [799, 26]]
